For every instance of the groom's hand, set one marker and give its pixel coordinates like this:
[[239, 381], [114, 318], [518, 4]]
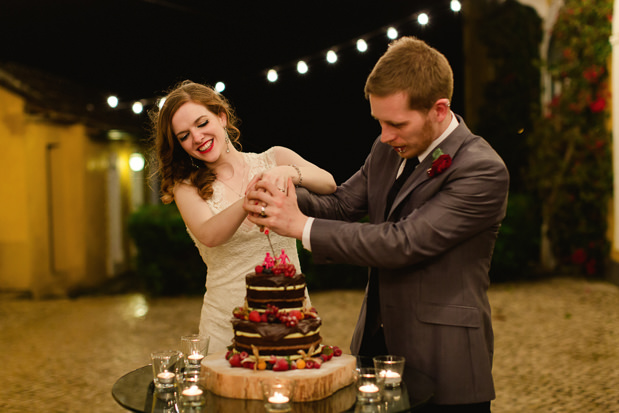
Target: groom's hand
[[281, 213]]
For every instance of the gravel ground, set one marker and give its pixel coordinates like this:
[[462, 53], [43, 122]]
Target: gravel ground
[[556, 345]]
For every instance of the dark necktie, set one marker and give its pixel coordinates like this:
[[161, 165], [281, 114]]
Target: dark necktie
[[397, 185]]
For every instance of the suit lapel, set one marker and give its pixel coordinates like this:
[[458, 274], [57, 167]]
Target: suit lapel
[[418, 176]]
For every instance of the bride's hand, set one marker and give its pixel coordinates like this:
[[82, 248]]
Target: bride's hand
[[269, 206], [279, 176]]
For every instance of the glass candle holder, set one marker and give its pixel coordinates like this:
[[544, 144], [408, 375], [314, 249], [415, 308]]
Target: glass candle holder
[[370, 408], [370, 385], [165, 367], [194, 349], [278, 395], [391, 368]]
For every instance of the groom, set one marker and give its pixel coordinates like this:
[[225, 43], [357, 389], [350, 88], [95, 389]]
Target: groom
[[435, 195]]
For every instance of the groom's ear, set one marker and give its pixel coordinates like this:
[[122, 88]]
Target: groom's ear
[[441, 109]]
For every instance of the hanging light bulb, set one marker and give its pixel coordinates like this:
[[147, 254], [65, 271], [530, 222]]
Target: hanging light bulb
[[137, 107], [272, 75], [423, 19], [456, 6], [331, 56], [362, 46], [112, 101], [302, 67], [220, 87], [392, 33]]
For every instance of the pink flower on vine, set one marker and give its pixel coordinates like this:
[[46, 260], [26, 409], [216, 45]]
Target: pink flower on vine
[[579, 256], [593, 73], [568, 54], [598, 105], [591, 266]]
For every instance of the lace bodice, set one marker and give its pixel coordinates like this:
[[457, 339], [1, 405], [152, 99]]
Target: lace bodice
[[229, 263]]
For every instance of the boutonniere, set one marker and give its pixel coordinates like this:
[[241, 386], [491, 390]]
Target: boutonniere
[[440, 164]]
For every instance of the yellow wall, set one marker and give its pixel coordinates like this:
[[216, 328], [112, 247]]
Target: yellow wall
[[54, 236], [14, 230]]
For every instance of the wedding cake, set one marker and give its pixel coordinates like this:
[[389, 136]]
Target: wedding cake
[[275, 329]]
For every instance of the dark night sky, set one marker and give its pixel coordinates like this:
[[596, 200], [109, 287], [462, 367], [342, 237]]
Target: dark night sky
[[137, 49]]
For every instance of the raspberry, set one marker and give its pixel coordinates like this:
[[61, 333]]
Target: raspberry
[[281, 365], [259, 269], [235, 360]]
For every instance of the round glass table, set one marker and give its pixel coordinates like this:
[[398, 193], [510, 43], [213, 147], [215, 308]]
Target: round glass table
[[135, 391]]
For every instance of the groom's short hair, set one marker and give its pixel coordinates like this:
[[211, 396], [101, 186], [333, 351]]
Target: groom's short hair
[[410, 65]]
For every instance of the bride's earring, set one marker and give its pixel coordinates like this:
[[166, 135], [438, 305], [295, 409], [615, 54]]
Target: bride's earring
[[196, 166], [227, 141]]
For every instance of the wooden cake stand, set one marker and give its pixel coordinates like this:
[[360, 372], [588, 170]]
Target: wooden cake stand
[[311, 384]]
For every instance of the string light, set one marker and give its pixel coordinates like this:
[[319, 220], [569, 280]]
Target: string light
[[331, 56], [302, 66], [137, 107], [272, 75], [362, 46], [392, 33], [112, 101]]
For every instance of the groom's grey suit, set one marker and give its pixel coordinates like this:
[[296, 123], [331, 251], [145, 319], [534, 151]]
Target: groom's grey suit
[[431, 257]]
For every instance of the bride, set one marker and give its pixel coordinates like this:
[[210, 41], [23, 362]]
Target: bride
[[203, 170]]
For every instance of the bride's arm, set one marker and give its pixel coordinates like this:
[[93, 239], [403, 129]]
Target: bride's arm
[[211, 229], [303, 173]]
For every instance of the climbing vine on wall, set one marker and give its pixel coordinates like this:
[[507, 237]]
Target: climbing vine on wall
[[570, 167]]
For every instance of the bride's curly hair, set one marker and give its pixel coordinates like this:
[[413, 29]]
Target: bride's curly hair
[[172, 163]]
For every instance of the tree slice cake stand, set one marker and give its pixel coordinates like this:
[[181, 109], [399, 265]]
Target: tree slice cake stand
[[311, 384]]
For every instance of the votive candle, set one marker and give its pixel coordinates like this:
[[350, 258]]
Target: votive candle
[[166, 377], [391, 377], [195, 358], [278, 398]]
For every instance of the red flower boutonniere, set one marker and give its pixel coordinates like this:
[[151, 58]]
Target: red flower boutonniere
[[440, 164]]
